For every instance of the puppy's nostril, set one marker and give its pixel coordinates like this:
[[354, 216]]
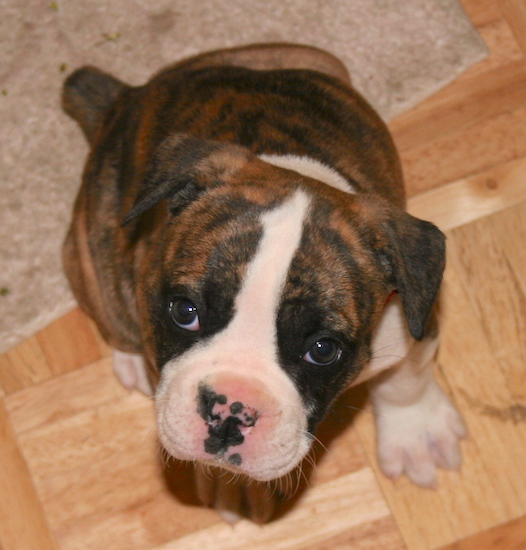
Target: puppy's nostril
[[227, 424], [207, 398], [224, 435], [250, 419]]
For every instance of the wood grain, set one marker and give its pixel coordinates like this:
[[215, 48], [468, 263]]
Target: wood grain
[[515, 13], [69, 343], [23, 522], [464, 103], [23, 366], [509, 536], [466, 200]]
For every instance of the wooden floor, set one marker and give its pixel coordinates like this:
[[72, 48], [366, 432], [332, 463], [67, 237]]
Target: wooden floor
[[79, 466]]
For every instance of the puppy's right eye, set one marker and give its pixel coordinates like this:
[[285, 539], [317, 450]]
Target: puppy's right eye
[[324, 352], [183, 313]]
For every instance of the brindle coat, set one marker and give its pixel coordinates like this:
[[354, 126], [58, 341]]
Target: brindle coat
[[174, 161]]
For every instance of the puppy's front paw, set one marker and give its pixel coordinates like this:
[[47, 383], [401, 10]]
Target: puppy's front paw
[[130, 369], [235, 497], [416, 439]]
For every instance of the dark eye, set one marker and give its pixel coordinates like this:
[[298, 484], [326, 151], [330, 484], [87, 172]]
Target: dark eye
[[324, 352], [184, 314]]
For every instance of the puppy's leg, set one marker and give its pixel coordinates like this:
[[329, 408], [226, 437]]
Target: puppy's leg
[[235, 497], [130, 369], [418, 428]]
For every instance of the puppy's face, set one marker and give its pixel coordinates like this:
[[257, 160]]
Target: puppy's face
[[261, 308]]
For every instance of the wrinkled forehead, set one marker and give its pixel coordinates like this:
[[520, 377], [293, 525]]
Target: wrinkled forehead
[[215, 235], [332, 276], [301, 249]]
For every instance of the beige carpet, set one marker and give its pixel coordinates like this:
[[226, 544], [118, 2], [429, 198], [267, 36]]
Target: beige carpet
[[397, 51]]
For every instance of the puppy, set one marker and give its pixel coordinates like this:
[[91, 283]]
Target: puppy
[[241, 242]]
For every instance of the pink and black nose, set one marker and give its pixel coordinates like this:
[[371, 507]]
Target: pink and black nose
[[229, 421]]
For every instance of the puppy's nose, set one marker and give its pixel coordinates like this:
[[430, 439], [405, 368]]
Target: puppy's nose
[[228, 421]]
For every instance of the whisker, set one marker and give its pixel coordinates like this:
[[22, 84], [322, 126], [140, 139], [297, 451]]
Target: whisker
[[274, 486], [388, 346], [305, 478], [360, 410], [152, 432], [311, 459], [165, 456], [314, 438]]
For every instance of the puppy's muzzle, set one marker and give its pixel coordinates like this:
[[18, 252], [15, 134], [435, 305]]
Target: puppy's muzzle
[[222, 418]]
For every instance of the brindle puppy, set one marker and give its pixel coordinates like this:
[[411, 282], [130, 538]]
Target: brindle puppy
[[238, 234]]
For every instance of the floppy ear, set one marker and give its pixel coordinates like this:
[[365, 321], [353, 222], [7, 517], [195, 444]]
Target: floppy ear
[[414, 255], [182, 168], [88, 95]]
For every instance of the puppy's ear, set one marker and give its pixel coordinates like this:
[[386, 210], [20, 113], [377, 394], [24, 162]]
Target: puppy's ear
[[183, 167], [87, 96], [413, 254]]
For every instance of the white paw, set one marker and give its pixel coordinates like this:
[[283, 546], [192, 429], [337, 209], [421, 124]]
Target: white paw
[[130, 369], [416, 439]]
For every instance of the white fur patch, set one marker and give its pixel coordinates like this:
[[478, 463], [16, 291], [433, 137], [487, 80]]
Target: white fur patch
[[311, 168], [256, 304], [246, 349], [418, 428]]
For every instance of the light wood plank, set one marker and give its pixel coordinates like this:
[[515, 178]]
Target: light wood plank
[[502, 45], [108, 454], [462, 104], [513, 224], [465, 152], [495, 289], [481, 12], [515, 13], [69, 343], [508, 536], [473, 372], [23, 522], [142, 525], [155, 520], [23, 366], [325, 512], [381, 534], [469, 199], [63, 397]]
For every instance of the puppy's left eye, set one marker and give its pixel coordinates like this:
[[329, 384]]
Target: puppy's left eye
[[324, 352], [183, 313]]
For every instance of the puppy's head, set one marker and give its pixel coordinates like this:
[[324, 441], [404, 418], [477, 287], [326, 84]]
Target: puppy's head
[[260, 297]]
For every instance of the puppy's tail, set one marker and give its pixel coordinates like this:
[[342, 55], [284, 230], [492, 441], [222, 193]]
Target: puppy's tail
[[87, 96]]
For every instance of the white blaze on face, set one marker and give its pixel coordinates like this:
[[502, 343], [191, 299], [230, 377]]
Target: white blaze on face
[[241, 362], [254, 323]]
